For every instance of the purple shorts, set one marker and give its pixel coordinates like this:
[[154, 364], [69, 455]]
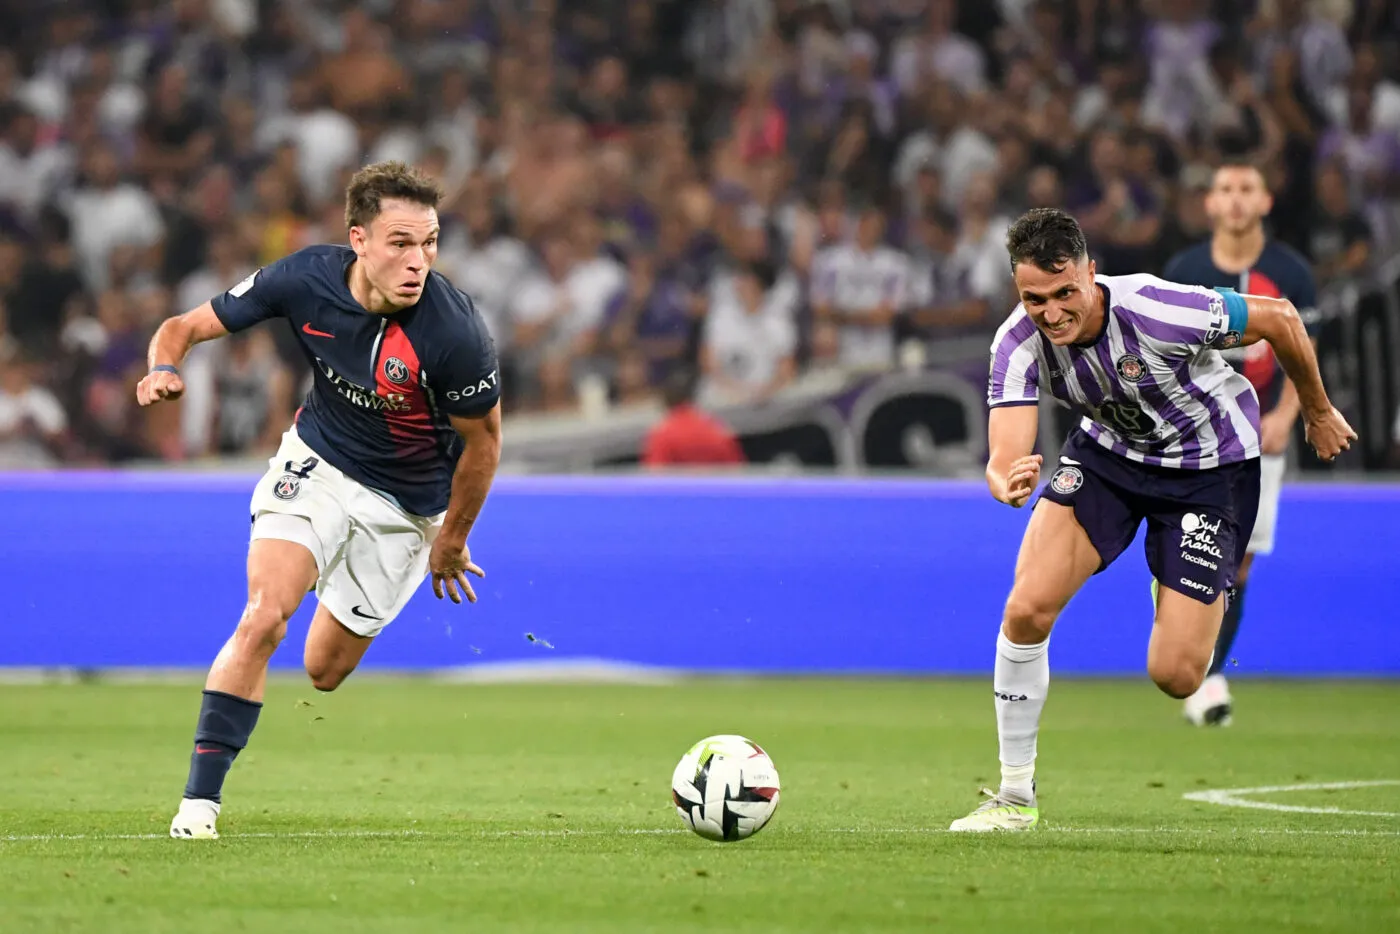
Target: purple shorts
[[1198, 521]]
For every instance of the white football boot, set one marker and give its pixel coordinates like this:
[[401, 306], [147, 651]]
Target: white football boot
[[196, 820], [1211, 704], [999, 812]]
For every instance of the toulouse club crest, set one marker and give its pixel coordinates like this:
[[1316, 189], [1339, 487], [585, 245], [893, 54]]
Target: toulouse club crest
[[1131, 367], [396, 371], [1067, 479]]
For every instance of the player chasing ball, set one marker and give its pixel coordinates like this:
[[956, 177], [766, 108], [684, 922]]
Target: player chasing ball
[[382, 475], [1170, 435], [1238, 255]]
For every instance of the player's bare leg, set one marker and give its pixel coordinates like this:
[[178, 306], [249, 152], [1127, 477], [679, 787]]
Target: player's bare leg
[[332, 650], [1056, 559], [279, 575], [1212, 704], [1183, 638]]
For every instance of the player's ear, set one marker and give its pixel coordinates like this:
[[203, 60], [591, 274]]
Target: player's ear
[[358, 240]]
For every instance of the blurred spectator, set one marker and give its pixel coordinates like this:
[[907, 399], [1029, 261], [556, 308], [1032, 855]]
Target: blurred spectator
[[32, 422], [762, 189], [750, 341], [1339, 239], [860, 287], [688, 437]]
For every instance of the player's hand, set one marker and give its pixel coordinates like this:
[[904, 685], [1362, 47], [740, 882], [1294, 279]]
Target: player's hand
[[1328, 433], [159, 385], [450, 562], [1022, 479], [1274, 432]]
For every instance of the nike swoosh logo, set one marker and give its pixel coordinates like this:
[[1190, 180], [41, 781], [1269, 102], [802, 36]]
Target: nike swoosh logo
[[1069, 460], [203, 749], [356, 610], [308, 329]]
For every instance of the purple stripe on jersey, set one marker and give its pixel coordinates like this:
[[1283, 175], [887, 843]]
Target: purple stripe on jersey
[[1011, 342], [1166, 331], [1105, 355], [1189, 439], [1088, 383], [1249, 404], [1172, 297], [1228, 444]]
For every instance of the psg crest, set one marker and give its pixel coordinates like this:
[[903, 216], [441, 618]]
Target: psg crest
[[396, 370], [1229, 339], [286, 487], [1067, 479], [1131, 367]]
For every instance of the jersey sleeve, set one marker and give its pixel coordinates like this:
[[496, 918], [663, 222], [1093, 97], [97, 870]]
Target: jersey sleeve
[[1189, 318], [468, 382], [1014, 377], [263, 295]]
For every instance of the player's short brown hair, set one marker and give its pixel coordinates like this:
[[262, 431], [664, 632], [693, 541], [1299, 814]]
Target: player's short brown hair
[[1046, 238], [374, 183]]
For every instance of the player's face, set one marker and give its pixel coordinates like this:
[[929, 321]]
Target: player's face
[[398, 248], [1238, 201], [1060, 303]]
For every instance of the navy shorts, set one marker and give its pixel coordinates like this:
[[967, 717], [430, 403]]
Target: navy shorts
[[1198, 521]]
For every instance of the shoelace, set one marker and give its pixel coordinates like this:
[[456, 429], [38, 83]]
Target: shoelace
[[995, 800]]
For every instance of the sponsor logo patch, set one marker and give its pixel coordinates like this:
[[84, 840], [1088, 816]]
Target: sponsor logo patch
[[1197, 586], [1198, 534]]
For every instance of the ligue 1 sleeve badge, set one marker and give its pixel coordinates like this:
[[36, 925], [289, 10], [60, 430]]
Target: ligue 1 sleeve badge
[[1131, 367], [1067, 479]]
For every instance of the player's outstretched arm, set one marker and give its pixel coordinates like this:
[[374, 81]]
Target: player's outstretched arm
[[1012, 470], [172, 341], [450, 561], [1277, 321]]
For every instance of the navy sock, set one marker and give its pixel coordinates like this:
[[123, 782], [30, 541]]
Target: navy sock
[[225, 723], [1229, 628]]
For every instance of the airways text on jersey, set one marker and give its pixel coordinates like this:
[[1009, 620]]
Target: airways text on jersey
[[386, 387]]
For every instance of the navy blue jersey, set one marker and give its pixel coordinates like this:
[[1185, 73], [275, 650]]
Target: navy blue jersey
[[1280, 272], [384, 384]]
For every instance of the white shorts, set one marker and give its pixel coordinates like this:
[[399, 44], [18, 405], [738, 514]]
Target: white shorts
[[1271, 470], [371, 555]]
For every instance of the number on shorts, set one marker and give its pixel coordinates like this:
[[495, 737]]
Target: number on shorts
[[303, 469], [1126, 417]]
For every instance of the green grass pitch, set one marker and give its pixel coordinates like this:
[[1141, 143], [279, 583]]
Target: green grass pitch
[[415, 806]]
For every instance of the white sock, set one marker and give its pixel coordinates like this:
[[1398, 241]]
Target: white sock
[[1021, 680]]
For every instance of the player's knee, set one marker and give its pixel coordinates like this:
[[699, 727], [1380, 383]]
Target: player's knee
[[325, 677], [1027, 623], [263, 625], [1178, 677]]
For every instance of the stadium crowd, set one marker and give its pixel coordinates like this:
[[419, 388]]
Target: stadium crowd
[[754, 187]]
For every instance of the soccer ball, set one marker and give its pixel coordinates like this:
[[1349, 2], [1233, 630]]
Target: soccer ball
[[725, 788]]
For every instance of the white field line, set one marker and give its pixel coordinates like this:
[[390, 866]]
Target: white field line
[[1234, 797], [662, 831]]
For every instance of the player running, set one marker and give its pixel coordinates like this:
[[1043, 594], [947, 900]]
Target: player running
[[1239, 256], [381, 476], [1170, 435]]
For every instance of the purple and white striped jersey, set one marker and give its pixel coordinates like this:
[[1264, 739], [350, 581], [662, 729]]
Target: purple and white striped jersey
[[1153, 385]]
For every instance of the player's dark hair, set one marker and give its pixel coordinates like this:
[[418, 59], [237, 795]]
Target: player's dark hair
[[1241, 158], [370, 186], [1046, 238], [680, 387]]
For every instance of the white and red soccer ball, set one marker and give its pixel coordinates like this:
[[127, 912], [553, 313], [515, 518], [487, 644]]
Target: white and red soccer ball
[[725, 788]]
